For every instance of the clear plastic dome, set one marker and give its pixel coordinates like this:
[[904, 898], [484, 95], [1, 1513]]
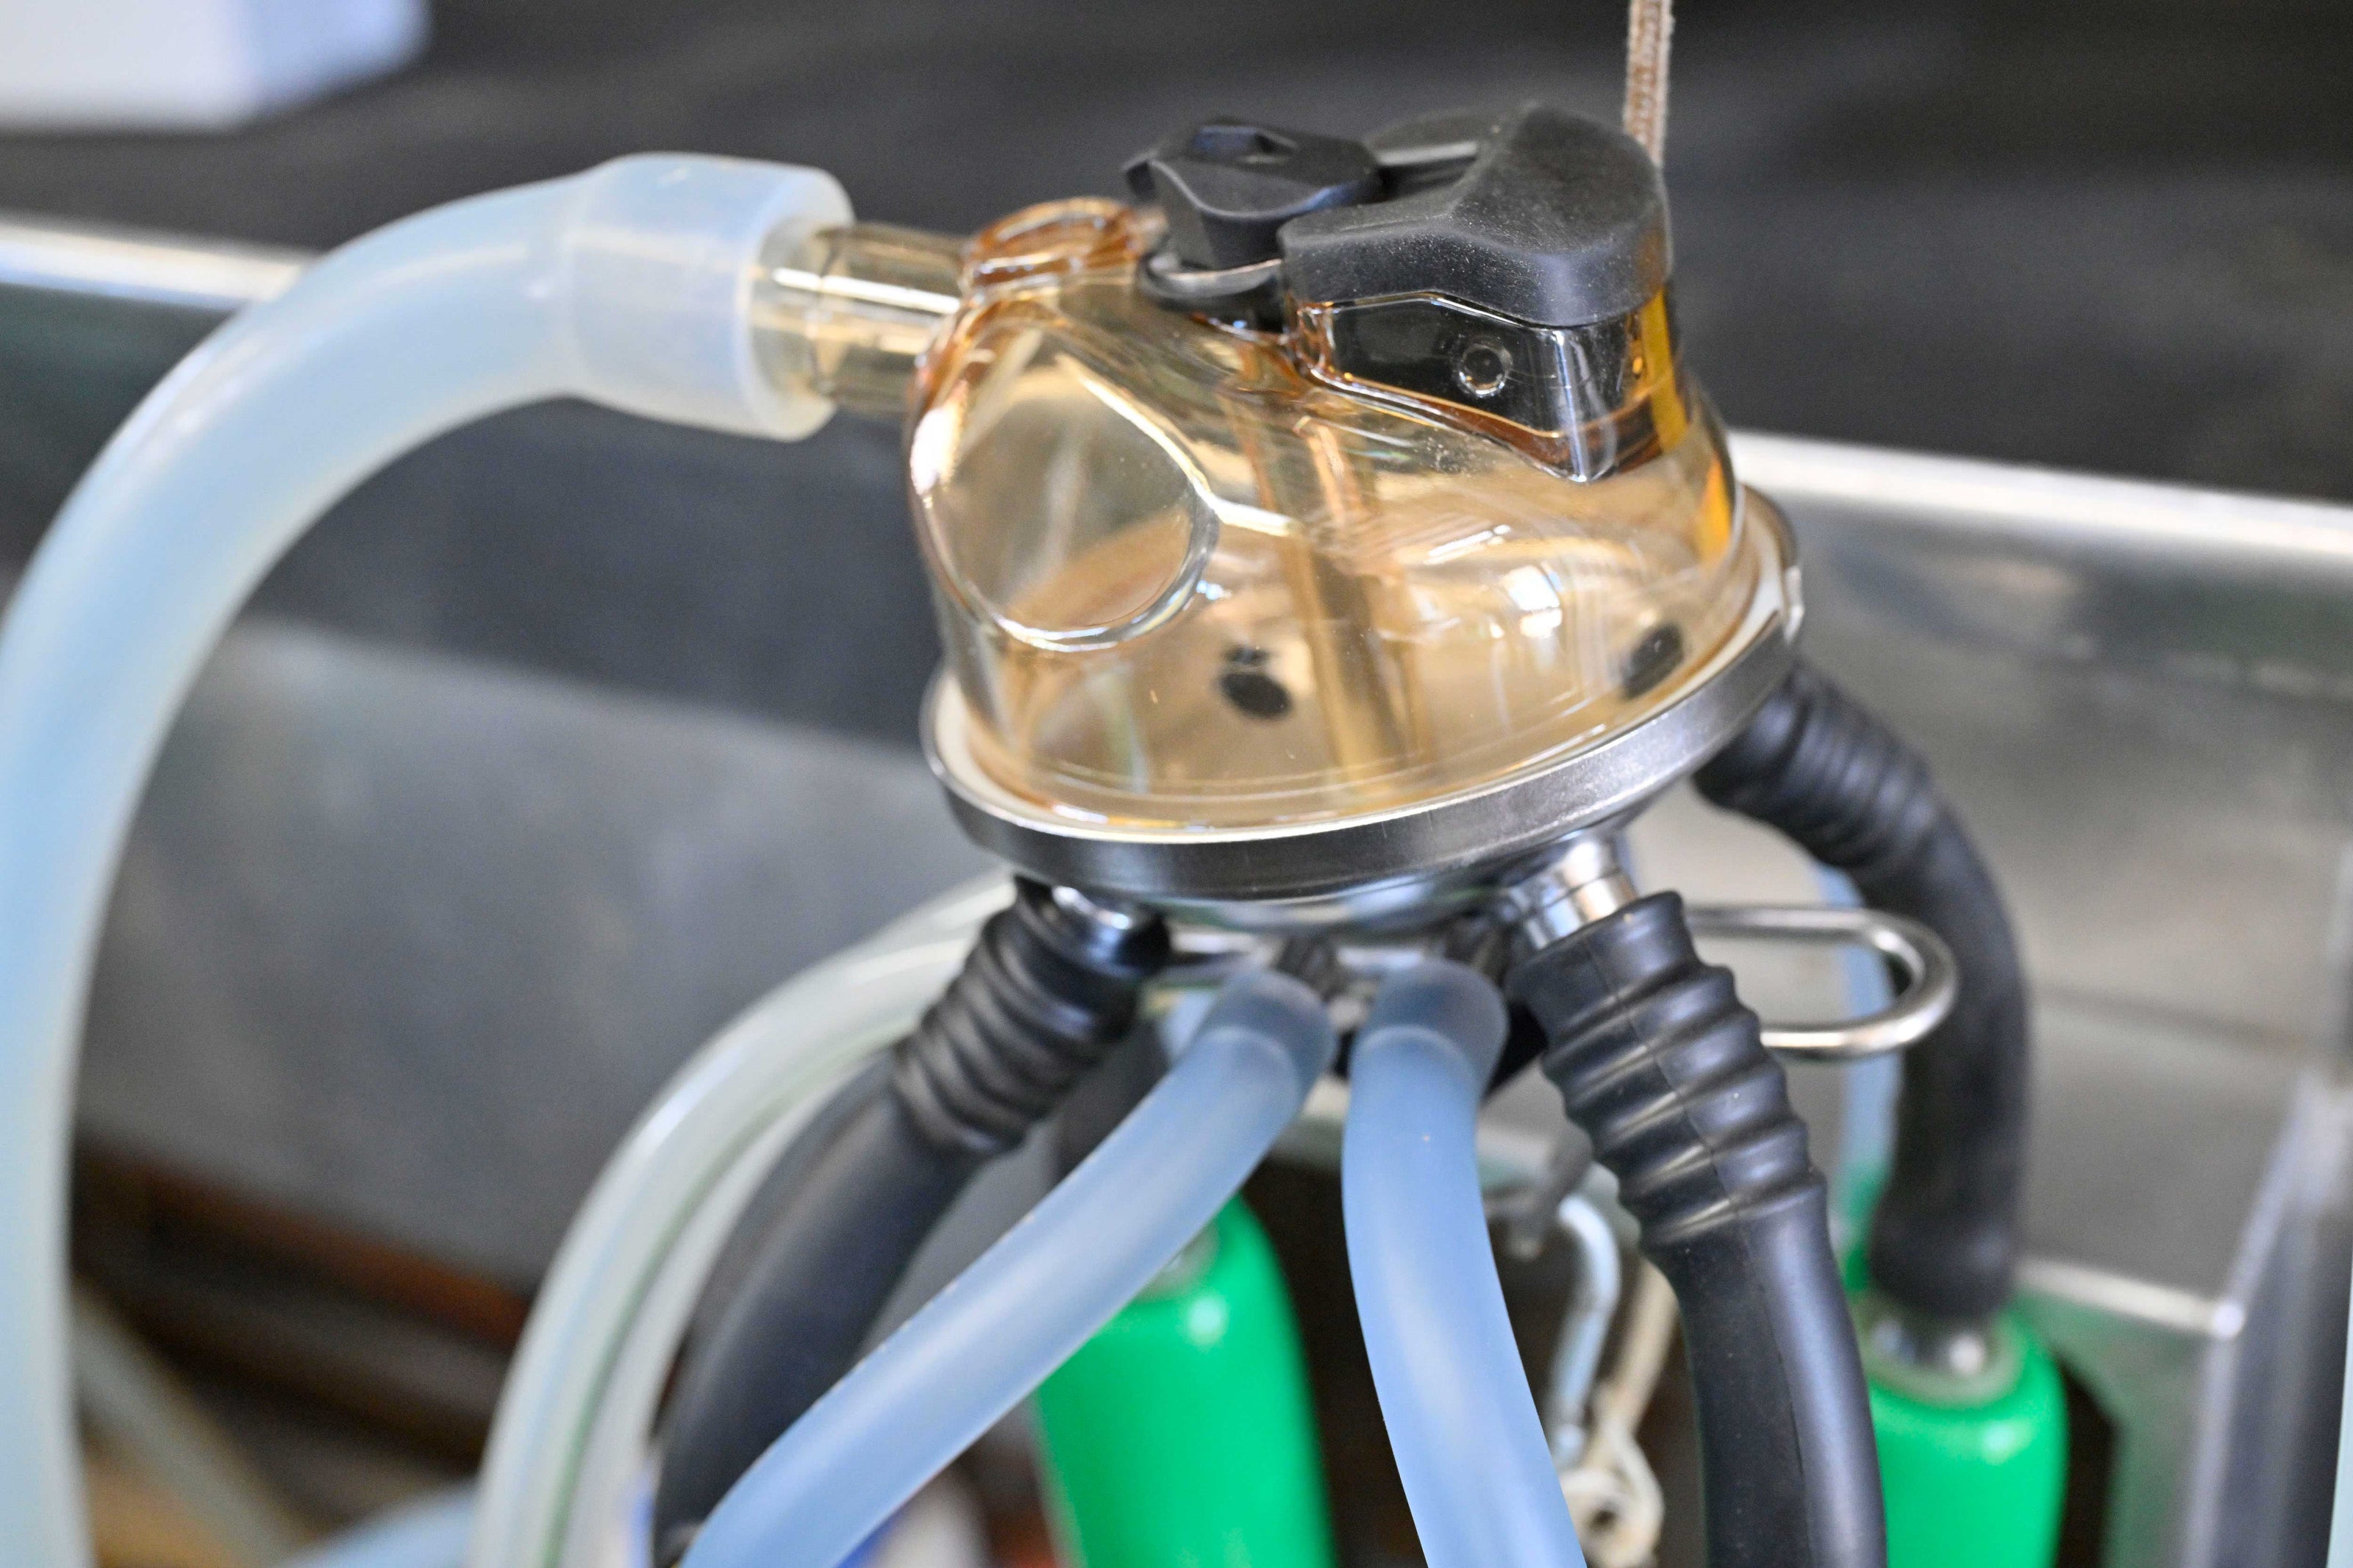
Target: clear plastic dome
[[1185, 582]]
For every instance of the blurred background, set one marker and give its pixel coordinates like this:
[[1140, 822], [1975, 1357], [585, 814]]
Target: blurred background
[[567, 736]]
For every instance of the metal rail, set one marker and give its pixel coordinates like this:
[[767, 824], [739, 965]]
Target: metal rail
[[58, 255]]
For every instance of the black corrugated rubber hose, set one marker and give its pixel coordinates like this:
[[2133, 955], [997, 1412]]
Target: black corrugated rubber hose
[[1660, 1064], [1817, 765], [1046, 994]]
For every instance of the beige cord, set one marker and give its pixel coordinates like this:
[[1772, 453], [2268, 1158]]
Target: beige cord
[[1614, 1501], [1649, 26], [1613, 1497], [1650, 1333]]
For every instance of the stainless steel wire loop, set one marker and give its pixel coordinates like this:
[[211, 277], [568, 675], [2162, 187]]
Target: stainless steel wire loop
[[1930, 980]]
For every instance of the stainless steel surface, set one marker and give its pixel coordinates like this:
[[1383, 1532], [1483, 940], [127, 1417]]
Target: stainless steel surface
[[216, 277], [1930, 981], [1592, 1303], [1367, 867], [1582, 884], [1960, 1361], [1114, 915], [2139, 695], [2161, 1159], [2095, 521]]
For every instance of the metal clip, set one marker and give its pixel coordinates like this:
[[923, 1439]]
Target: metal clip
[[1930, 979]]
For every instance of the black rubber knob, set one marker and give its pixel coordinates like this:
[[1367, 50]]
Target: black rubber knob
[[1557, 221], [1226, 185]]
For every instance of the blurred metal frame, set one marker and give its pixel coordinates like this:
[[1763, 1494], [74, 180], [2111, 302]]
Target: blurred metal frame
[[139, 268]]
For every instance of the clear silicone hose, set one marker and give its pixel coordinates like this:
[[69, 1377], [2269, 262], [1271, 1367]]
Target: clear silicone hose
[[1471, 1450], [430, 1532], [629, 285], [573, 1418], [1032, 1298]]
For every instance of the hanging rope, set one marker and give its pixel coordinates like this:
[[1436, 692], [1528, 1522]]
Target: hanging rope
[[1649, 25]]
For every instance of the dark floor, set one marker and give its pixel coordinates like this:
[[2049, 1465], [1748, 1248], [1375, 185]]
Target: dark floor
[[2116, 239]]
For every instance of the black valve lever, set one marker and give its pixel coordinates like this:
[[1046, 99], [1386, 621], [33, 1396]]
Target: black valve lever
[[1513, 266], [1227, 187]]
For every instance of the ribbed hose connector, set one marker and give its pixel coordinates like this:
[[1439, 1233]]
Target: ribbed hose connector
[[1815, 765], [1660, 1065], [1050, 988]]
